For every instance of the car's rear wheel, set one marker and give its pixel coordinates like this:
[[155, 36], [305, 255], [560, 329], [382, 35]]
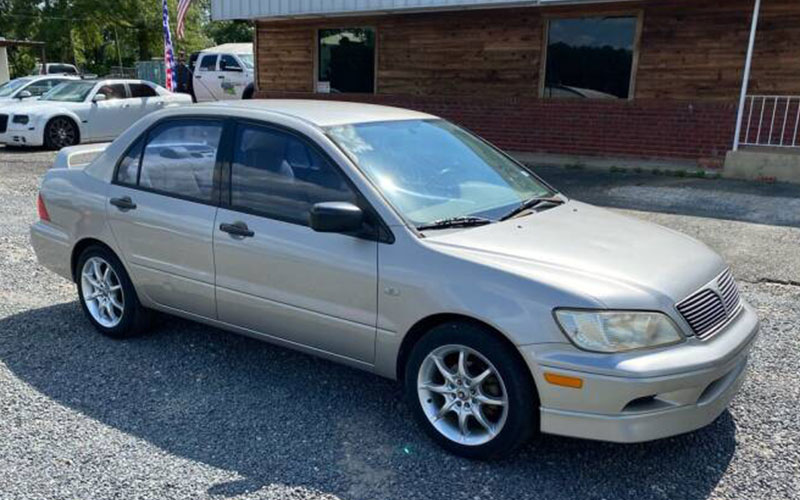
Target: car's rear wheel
[[470, 391], [61, 132], [107, 295]]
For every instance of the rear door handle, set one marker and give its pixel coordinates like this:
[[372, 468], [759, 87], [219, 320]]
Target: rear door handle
[[237, 229], [221, 77], [125, 203]]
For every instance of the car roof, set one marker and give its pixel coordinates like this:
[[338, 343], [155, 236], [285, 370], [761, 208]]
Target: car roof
[[231, 48], [324, 113]]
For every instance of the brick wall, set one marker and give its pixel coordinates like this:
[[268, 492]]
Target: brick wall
[[700, 131]]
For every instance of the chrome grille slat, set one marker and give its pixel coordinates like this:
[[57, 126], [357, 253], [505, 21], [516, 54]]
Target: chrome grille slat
[[711, 307]]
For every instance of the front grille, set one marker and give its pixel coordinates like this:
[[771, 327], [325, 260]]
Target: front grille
[[3, 123], [710, 308]]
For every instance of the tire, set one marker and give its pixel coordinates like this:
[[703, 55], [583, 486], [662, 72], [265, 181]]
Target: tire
[[61, 132], [122, 316], [248, 92], [505, 427]]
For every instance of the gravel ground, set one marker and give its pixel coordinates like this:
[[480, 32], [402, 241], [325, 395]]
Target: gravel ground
[[193, 412]]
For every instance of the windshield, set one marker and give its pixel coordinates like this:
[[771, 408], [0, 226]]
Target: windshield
[[69, 92], [10, 87], [247, 60], [432, 170]]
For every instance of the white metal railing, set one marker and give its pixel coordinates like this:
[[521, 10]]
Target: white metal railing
[[771, 121]]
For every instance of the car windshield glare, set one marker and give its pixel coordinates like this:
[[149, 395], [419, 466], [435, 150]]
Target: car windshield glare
[[69, 92], [432, 170], [9, 88], [247, 60]]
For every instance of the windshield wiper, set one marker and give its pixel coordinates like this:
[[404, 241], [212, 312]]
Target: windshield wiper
[[462, 221], [531, 203]]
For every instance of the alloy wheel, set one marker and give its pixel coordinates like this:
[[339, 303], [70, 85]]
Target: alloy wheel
[[462, 394], [61, 133], [102, 292]]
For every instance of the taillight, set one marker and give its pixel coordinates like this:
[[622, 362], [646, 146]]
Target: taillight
[[43, 215]]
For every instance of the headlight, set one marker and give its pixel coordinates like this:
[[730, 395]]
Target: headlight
[[21, 119], [617, 331]]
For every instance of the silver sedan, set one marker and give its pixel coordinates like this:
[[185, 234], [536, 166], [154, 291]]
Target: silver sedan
[[396, 242]]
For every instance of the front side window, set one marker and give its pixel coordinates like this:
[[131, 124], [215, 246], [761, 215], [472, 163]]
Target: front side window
[[277, 175], [346, 60], [208, 62], [432, 170], [70, 92], [141, 90], [180, 157], [113, 91], [590, 58], [228, 63]]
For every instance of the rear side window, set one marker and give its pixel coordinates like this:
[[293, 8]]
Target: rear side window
[[209, 62], [62, 68], [179, 158], [128, 169], [277, 175], [141, 90]]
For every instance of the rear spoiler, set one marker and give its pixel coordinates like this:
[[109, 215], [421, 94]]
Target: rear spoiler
[[79, 156]]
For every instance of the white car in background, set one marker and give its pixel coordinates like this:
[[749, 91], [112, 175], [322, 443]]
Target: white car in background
[[55, 69], [30, 87], [224, 72], [83, 111]]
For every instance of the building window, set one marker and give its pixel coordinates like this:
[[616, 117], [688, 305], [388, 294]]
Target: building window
[[590, 58], [346, 60]]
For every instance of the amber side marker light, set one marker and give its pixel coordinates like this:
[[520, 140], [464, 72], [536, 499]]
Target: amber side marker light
[[563, 380], [43, 215]]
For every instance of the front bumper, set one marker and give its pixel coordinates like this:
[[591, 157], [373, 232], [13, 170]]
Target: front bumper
[[644, 395], [22, 135]]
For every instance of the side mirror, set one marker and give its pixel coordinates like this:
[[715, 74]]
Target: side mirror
[[336, 217], [24, 95], [99, 98]]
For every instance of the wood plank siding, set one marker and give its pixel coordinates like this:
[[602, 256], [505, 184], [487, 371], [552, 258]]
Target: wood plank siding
[[688, 50]]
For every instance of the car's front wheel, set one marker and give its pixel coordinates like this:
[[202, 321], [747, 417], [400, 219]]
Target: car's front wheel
[[107, 295], [61, 132], [470, 391]]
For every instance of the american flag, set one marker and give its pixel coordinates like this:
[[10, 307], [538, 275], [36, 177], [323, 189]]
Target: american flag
[[183, 8], [169, 57]]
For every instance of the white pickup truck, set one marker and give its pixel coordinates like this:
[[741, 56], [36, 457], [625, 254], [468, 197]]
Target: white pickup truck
[[223, 72]]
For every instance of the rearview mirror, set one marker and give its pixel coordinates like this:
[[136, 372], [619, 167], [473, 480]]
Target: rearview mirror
[[24, 95], [336, 217], [99, 98]]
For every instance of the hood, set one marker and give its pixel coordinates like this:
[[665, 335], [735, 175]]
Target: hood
[[29, 107], [615, 260]]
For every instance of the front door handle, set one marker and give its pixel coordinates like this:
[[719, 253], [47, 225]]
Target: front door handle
[[125, 203], [221, 77], [237, 229]]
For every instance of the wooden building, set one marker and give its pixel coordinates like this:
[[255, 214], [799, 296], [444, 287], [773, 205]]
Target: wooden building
[[644, 79]]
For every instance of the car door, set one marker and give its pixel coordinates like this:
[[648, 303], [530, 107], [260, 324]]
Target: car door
[[233, 80], [144, 99], [205, 78], [110, 117], [277, 276], [161, 209]]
